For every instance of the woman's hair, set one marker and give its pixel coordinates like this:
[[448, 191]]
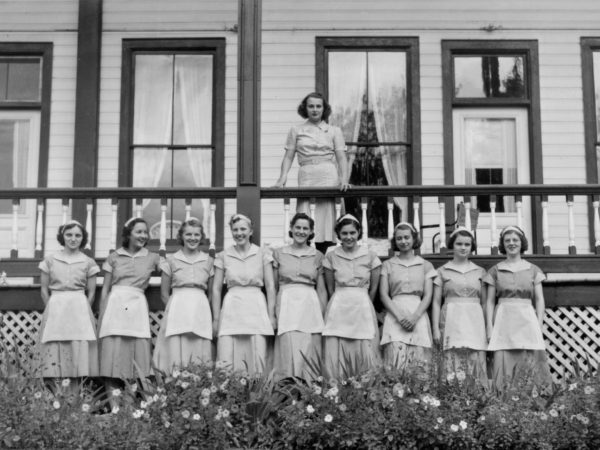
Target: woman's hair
[[240, 217], [413, 232], [128, 228], [465, 233], [311, 225], [60, 236], [191, 222], [516, 230], [348, 220], [326, 106]]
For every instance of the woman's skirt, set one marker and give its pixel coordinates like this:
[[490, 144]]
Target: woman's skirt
[[68, 346], [512, 367], [249, 353], [344, 358], [323, 174]]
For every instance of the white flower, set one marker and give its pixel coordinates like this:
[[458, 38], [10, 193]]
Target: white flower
[[115, 409], [317, 390], [502, 420], [572, 386], [85, 407], [186, 374], [143, 404], [213, 389], [435, 402], [589, 390], [65, 382], [534, 393], [185, 385], [56, 404], [334, 391], [328, 418], [515, 398], [37, 395], [454, 427], [450, 377], [440, 420], [155, 398], [553, 413], [398, 390], [482, 418], [543, 416], [167, 424], [460, 375], [310, 409], [137, 413], [225, 413], [561, 407], [243, 381], [584, 420], [176, 373], [196, 417], [343, 407], [116, 392], [463, 424], [158, 389], [205, 392], [185, 414], [204, 401], [223, 385]]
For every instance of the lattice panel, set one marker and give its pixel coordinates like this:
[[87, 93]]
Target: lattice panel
[[18, 331], [572, 337], [155, 319]]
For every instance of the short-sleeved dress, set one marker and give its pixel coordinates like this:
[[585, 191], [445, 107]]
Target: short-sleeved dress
[[244, 320], [462, 324], [299, 315], [406, 282], [316, 146], [186, 333], [350, 333], [517, 340], [124, 329], [67, 342]]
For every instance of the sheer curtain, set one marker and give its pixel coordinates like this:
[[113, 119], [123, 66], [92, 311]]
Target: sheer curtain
[[193, 81], [153, 118], [387, 100]]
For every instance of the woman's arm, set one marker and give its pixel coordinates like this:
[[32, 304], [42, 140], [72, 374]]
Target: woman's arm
[[489, 310], [45, 287], [276, 279], [540, 303], [410, 321], [217, 291], [106, 285], [342, 161], [374, 283], [286, 164], [329, 281], [165, 287], [91, 289], [435, 314], [271, 293], [386, 300], [322, 291]]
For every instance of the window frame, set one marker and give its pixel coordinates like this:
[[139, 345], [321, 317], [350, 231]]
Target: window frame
[[132, 47], [529, 50]]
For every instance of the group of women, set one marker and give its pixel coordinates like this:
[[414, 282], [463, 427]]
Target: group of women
[[318, 307]]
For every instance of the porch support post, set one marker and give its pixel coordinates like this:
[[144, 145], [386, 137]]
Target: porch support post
[[87, 96], [249, 42]]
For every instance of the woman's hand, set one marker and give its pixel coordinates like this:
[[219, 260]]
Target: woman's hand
[[408, 323], [273, 320], [215, 328], [345, 186], [488, 332], [280, 183], [437, 336]]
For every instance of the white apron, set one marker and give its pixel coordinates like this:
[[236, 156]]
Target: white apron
[[394, 332], [188, 311], [68, 318], [516, 326], [244, 312], [350, 314], [463, 324], [299, 309], [126, 313]]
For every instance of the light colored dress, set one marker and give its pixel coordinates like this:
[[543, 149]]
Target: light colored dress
[[299, 315], [186, 332], [124, 328], [244, 321], [462, 324], [517, 340], [315, 146], [403, 348], [350, 333], [67, 342]]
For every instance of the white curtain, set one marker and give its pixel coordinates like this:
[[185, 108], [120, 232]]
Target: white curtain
[[387, 100], [193, 81]]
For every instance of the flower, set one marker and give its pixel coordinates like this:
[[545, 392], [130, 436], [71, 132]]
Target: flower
[[333, 392], [398, 390], [343, 408], [572, 386], [137, 413], [115, 409], [440, 420], [502, 420], [243, 381], [196, 417], [116, 392], [85, 407], [460, 375], [481, 418], [213, 389], [235, 408], [450, 377], [225, 413], [185, 385], [143, 404], [328, 418], [185, 374], [158, 389], [65, 382], [454, 427], [534, 393], [205, 401], [56, 404], [515, 398], [553, 413], [167, 424], [317, 390], [37, 395], [543, 416], [310, 409], [176, 373], [584, 420], [185, 414], [463, 424], [588, 390], [205, 392]]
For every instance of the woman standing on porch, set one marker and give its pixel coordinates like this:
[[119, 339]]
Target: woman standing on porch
[[247, 318], [405, 290], [352, 276], [186, 333], [458, 325], [68, 342], [515, 313], [319, 146], [124, 329], [301, 301]]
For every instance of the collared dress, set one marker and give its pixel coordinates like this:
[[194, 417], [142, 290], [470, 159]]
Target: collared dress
[[315, 146], [406, 282], [299, 315], [124, 329], [462, 323], [350, 334], [516, 339], [68, 343], [244, 323], [186, 333]]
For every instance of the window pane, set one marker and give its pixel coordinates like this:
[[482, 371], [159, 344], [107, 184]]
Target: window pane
[[193, 100], [597, 92], [153, 111], [23, 81], [3, 79], [14, 154], [489, 76]]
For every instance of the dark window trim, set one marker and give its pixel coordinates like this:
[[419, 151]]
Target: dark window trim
[[216, 46], [408, 44], [529, 49]]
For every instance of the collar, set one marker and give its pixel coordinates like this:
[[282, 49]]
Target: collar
[[417, 261], [142, 252], [199, 257], [361, 250], [522, 265], [309, 251], [70, 259], [322, 125], [469, 268], [231, 251]]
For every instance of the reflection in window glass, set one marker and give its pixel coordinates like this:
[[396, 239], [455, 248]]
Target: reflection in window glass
[[597, 92], [14, 154], [489, 76], [20, 79]]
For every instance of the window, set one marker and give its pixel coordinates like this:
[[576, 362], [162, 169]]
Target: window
[[591, 95], [372, 86], [492, 125], [174, 122], [25, 78]]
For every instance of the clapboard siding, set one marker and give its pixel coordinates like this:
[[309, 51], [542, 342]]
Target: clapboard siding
[[38, 15]]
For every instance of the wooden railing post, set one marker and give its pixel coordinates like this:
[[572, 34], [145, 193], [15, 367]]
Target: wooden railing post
[[139, 207], [14, 249], [442, 229], [338, 208], [390, 220], [571, 225], [493, 226], [286, 220], [416, 219], [65, 210], [39, 228], [188, 208], [545, 232], [467, 203], [596, 206], [364, 203], [162, 249], [212, 229], [114, 210], [519, 206], [89, 207]]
